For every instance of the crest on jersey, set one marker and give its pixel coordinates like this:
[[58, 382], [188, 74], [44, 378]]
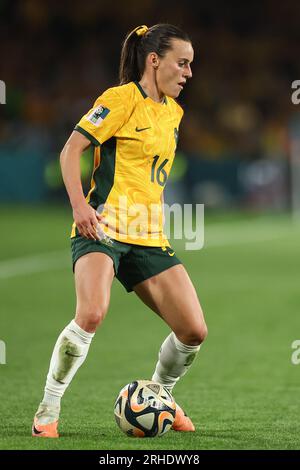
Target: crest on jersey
[[97, 115], [176, 135]]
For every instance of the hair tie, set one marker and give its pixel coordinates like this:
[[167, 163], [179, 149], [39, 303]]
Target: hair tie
[[141, 30]]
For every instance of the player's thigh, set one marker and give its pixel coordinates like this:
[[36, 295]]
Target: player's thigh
[[172, 295], [94, 273]]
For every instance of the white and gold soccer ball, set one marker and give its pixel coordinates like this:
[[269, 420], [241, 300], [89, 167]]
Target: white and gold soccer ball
[[144, 408]]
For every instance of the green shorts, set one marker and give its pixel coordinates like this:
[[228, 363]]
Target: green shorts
[[132, 263]]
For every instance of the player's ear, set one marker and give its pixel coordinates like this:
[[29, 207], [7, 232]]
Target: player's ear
[[153, 60]]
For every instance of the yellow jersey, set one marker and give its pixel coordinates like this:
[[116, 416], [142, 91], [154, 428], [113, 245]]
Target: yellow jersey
[[134, 139]]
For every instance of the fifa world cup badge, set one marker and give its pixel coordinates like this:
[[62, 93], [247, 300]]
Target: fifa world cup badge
[[97, 115]]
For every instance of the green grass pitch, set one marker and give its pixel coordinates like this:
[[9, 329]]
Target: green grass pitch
[[242, 392]]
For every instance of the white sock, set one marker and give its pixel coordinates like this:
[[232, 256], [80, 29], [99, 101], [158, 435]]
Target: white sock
[[174, 360], [69, 353]]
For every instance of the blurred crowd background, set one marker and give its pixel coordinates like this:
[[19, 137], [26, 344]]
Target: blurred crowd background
[[237, 134]]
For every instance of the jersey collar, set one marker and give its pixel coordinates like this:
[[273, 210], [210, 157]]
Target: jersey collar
[[142, 91]]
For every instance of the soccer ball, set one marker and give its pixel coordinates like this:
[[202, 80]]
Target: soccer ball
[[144, 409]]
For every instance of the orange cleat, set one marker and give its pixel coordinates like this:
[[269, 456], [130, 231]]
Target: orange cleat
[[44, 430], [182, 422], [45, 422]]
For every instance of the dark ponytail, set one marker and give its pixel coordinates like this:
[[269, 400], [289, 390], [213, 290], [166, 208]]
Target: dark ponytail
[[140, 42]]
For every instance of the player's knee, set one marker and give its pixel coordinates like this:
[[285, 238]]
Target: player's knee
[[93, 321], [96, 316], [92, 316], [203, 332], [196, 336]]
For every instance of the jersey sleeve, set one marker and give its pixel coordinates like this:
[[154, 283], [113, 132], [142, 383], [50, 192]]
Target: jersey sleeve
[[106, 117]]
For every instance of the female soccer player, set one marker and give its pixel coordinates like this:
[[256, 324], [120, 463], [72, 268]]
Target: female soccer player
[[133, 129]]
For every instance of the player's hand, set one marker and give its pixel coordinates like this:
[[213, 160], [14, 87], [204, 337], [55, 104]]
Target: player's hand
[[87, 220]]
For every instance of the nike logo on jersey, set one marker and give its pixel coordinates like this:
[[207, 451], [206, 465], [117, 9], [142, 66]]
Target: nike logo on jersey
[[139, 129]]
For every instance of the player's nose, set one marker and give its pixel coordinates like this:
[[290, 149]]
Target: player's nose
[[189, 72]]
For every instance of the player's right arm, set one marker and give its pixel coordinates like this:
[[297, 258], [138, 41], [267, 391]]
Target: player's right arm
[[98, 125], [85, 217]]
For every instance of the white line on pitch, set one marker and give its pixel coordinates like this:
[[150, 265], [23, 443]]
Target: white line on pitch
[[34, 263], [217, 235]]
